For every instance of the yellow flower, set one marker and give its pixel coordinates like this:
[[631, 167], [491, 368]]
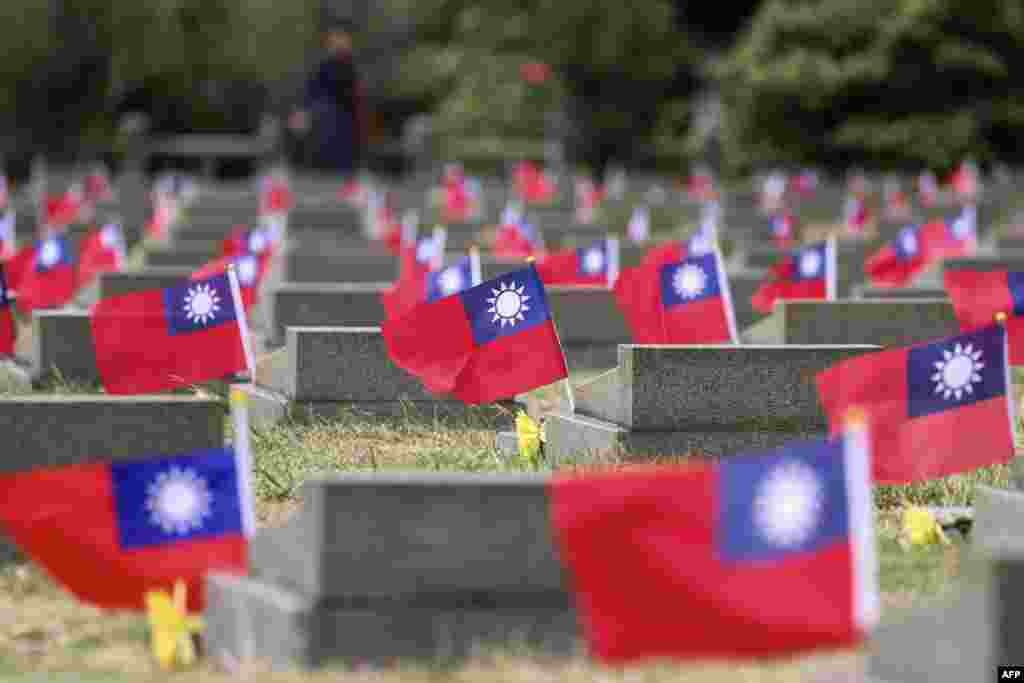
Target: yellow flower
[[171, 627], [530, 437], [919, 527]]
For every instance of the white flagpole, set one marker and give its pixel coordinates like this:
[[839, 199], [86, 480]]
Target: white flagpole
[[243, 459], [723, 287], [243, 323], [440, 238], [569, 393], [476, 274], [832, 263], [613, 261]]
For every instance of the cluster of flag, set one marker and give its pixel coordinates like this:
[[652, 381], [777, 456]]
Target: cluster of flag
[[919, 247]]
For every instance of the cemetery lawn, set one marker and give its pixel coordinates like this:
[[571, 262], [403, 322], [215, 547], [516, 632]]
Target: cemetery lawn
[[44, 630]]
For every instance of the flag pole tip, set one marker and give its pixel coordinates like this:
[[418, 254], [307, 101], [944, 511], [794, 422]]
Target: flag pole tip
[[1000, 317], [855, 417], [530, 259]]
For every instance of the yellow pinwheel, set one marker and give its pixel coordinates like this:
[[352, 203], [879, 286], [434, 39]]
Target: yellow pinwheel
[[919, 527], [530, 437], [171, 627]]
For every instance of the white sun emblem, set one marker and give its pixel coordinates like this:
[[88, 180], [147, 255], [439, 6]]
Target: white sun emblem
[[246, 271], [810, 262], [425, 250], [909, 242], [178, 501], [689, 281], [788, 505], [957, 371], [451, 281], [508, 304], [201, 304], [50, 253], [593, 261]]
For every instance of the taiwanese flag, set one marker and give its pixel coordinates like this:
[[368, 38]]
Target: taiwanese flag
[[782, 229], [353, 192], [276, 198], [7, 242], [639, 228], [243, 240], [5, 195], [857, 215], [417, 260], [112, 531], [405, 235], [159, 224], [532, 184], [51, 280], [249, 268], [597, 264], [171, 338], [8, 327], [901, 260], [807, 273], [19, 264], [758, 555], [935, 409], [456, 278], [103, 251], [516, 238], [695, 303], [97, 187], [956, 236], [458, 203], [978, 297], [499, 340]]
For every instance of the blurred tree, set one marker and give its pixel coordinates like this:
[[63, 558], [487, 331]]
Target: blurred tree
[[876, 83], [69, 66]]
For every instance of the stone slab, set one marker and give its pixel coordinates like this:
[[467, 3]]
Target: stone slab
[[1012, 261], [587, 315], [868, 292], [180, 256], [708, 388], [892, 322], [129, 282], [574, 438], [63, 347], [742, 284], [351, 304], [247, 618]]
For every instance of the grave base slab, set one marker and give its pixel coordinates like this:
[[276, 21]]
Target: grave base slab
[[574, 438], [247, 618]]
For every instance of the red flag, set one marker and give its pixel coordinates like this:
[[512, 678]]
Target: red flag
[[102, 252], [900, 261], [936, 409], [807, 273], [242, 241], [159, 225], [50, 280], [417, 260], [499, 340], [762, 555], [111, 531], [170, 338], [8, 326], [978, 297], [597, 264], [690, 303], [19, 264], [249, 268]]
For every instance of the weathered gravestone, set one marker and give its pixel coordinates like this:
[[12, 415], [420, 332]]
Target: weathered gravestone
[[892, 322], [129, 282], [709, 400], [53, 430], [325, 371], [869, 292], [378, 567]]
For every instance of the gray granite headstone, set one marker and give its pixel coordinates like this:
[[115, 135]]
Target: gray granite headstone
[[381, 567]]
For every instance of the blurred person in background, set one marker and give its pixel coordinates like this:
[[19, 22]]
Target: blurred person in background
[[334, 105]]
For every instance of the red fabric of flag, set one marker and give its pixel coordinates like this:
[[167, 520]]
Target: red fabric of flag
[[102, 252], [499, 341], [636, 292], [165, 339], [935, 409], [50, 280], [978, 297]]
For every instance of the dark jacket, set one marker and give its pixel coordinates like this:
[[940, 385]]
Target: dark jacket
[[334, 95]]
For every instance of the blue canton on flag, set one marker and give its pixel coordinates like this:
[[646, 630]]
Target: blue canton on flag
[[907, 243], [692, 279], [957, 372], [52, 252], [593, 260], [810, 262], [178, 498], [199, 305], [451, 280], [790, 500], [1015, 283], [506, 305]]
